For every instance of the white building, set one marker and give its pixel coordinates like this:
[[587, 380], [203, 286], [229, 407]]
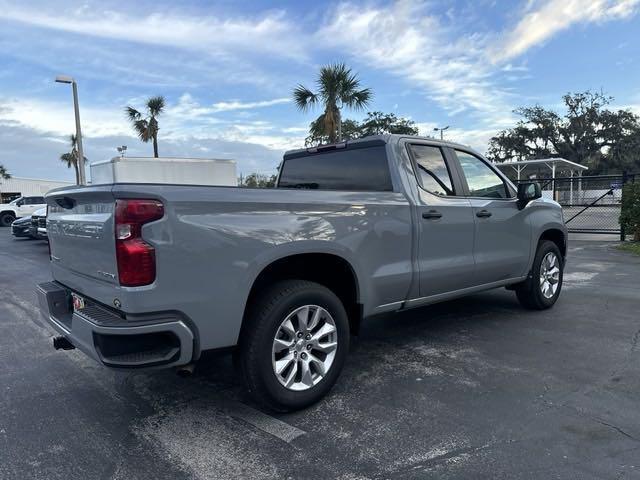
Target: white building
[[19, 187]]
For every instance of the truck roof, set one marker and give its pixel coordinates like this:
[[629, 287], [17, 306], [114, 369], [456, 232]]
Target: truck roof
[[367, 141]]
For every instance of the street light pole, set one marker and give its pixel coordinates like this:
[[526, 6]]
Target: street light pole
[[76, 107], [441, 131]]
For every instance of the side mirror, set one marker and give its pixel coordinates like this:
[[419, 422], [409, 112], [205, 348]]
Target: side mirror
[[528, 192], [19, 203]]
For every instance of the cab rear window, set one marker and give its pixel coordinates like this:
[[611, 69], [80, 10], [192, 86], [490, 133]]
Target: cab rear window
[[348, 169]]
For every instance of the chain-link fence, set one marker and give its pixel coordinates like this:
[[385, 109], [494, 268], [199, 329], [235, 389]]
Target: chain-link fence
[[591, 204]]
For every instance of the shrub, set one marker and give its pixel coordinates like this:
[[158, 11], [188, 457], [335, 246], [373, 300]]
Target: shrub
[[630, 214]]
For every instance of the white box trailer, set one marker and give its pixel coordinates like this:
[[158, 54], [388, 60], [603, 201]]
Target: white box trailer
[[179, 171]]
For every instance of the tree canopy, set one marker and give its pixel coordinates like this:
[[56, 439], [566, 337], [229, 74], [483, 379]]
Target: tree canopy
[[70, 159], [376, 123], [258, 180], [337, 87], [4, 173], [589, 132], [147, 126]]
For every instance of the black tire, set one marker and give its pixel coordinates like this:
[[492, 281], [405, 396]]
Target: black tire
[[6, 219], [529, 292], [257, 337]]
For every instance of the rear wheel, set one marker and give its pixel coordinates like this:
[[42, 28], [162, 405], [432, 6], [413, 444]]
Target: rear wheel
[[293, 345], [6, 219], [542, 287]]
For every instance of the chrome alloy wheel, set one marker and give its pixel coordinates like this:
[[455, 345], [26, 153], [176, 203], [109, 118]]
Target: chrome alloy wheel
[[304, 347], [549, 275]]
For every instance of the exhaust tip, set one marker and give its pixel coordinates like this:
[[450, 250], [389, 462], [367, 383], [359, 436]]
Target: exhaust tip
[[62, 343], [186, 370]]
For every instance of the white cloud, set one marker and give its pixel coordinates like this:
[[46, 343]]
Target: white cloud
[[514, 68], [186, 128], [188, 118], [462, 69], [406, 40], [549, 17], [238, 105], [29, 153], [477, 138], [57, 117], [271, 33]]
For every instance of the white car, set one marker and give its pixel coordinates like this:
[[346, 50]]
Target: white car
[[20, 207]]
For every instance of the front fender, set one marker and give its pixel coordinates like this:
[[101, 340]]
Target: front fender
[[543, 217]]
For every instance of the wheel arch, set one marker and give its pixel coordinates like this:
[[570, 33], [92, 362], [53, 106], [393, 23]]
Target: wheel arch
[[556, 236], [328, 269]]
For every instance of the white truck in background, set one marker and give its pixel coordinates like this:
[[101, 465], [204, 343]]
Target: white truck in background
[[20, 207]]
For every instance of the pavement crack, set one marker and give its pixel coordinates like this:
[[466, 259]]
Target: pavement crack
[[616, 428], [436, 460], [586, 415], [634, 341]]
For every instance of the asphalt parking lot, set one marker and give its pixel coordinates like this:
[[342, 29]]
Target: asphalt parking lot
[[476, 388]]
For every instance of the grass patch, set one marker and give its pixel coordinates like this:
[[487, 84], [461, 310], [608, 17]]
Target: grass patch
[[633, 247]]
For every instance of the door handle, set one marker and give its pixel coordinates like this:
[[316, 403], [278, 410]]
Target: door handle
[[431, 215], [483, 214]]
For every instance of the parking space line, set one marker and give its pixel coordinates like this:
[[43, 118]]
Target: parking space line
[[264, 422]]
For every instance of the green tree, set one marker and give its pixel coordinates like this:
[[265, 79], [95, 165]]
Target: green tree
[[376, 123], [4, 173], [317, 135], [146, 126], [71, 158], [630, 210], [337, 87], [587, 133], [257, 180]]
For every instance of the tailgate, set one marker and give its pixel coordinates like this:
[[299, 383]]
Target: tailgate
[[80, 226]]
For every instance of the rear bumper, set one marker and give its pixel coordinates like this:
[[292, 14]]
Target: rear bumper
[[160, 340]]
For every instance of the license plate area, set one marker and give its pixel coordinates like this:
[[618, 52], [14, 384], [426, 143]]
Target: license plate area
[[78, 302]]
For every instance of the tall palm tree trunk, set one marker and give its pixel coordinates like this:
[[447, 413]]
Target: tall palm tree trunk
[[155, 146], [330, 124], [75, 167]]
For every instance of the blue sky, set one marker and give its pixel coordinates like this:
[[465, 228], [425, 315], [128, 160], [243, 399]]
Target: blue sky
[[227, 69]]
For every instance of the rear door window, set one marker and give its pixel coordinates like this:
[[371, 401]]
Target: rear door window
[[432, 172], [350, 169]]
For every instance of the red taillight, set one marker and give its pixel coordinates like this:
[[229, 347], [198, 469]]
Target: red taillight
[[136, 258]]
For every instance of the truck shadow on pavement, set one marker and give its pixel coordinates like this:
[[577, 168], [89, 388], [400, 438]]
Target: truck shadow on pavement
[[415, 342]]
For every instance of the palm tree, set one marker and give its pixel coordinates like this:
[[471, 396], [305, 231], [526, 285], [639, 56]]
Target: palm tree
[[147, 127], [4, 173], [71, 158], [336, 85]]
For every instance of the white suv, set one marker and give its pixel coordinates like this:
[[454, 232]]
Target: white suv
[[20, 207]]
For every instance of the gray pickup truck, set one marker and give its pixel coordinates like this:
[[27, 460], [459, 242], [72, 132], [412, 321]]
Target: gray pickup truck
[[150, 275]]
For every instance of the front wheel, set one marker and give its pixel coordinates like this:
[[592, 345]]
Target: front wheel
[[6, 219], [293, 345], [542, 287]]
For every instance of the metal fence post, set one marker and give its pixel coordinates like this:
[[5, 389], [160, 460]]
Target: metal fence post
[[624, 181]]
